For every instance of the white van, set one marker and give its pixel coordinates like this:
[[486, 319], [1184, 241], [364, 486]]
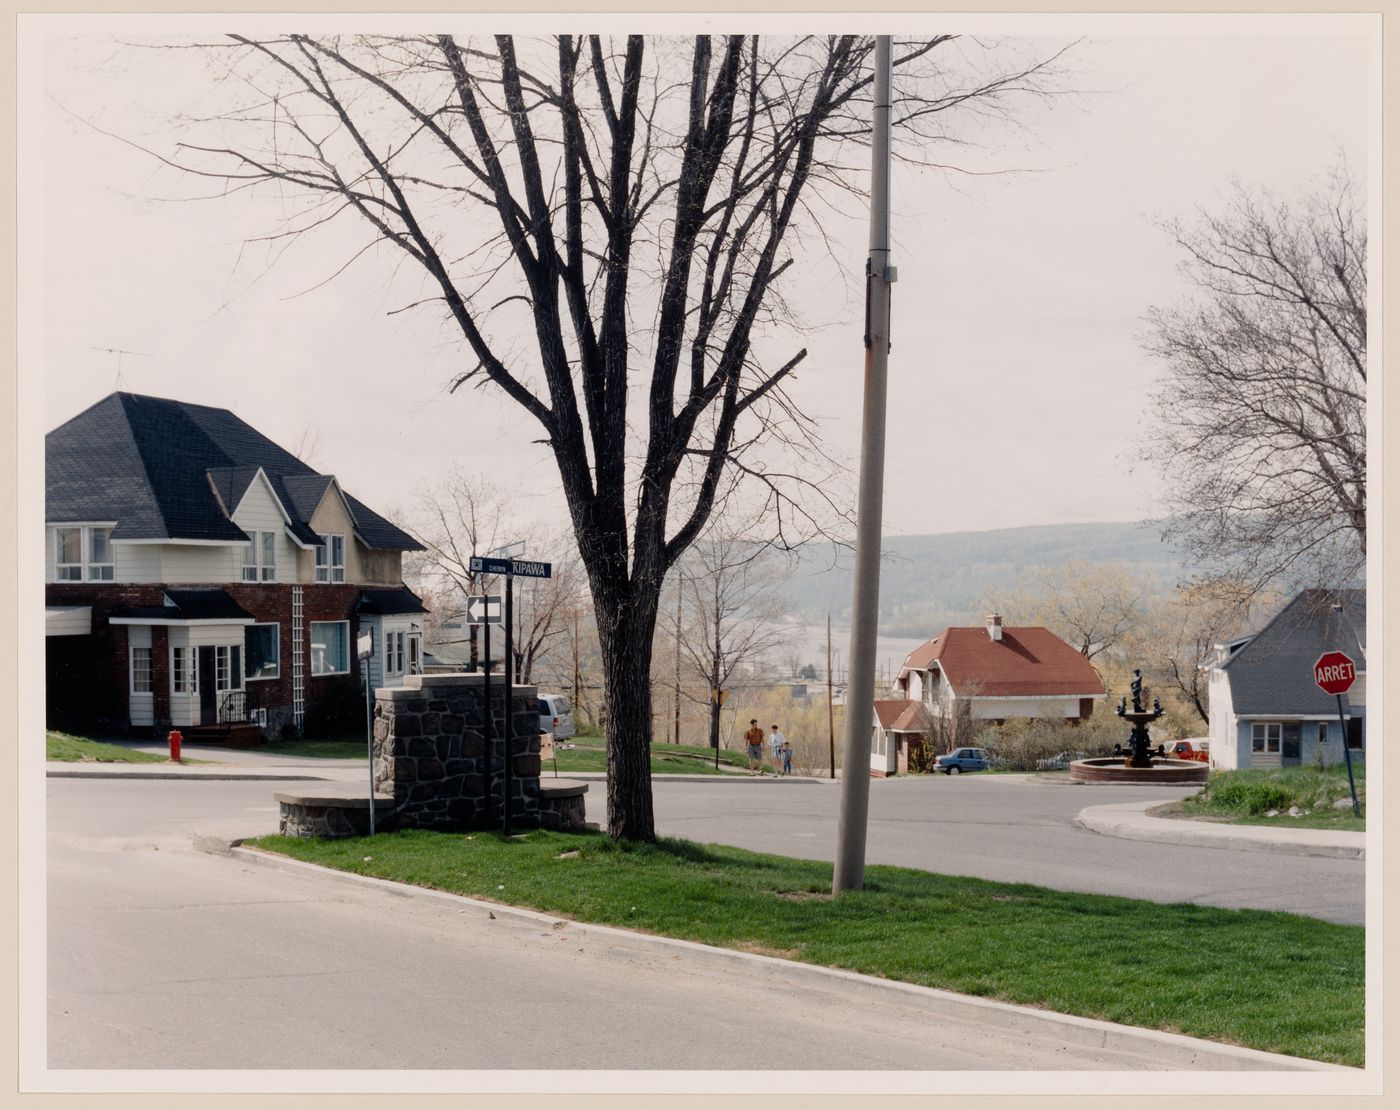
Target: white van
[[556, 716]]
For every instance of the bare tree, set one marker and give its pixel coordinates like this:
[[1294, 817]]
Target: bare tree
[[1261, 410], [728, 581], [1091, 606], [632, 205]]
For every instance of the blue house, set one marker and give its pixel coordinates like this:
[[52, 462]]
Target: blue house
[[1265, 708]]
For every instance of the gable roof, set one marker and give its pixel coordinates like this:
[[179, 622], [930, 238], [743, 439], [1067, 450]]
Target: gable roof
[[166, 469], [1025, 662], [1273, 673], [888, 712]]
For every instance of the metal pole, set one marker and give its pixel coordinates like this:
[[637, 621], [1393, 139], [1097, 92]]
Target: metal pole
[[1346, 751], [830, 718], [509, 714], [489, 732], [676, 688], [849, 872]]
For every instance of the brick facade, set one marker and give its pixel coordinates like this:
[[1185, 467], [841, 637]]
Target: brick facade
[[88, 676]]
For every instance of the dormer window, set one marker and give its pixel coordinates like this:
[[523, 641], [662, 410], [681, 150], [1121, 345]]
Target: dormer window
[[83, 554], [260, 558], [330, 559]]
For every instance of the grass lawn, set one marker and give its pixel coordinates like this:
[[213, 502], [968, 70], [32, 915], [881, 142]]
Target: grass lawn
[[590, 754], [63, 748], [1247, 797], [1273, 981], [321, 747]]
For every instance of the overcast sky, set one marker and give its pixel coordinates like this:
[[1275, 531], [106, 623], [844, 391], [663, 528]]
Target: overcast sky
[[1016, 385]]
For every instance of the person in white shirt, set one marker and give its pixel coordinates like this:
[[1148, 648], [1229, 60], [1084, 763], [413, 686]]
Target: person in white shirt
[[776, 740]]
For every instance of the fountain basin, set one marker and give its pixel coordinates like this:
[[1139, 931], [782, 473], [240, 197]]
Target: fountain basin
[[1162, 771]]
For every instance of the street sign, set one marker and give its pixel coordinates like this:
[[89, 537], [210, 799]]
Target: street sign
[[365, 643], [521, 568], [479, 565], [1334, 672], [484, 609]]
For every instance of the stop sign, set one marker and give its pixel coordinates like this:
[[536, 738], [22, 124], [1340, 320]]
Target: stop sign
[[1334, 672]]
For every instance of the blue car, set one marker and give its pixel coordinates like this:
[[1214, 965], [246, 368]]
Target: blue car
[[963, 759]]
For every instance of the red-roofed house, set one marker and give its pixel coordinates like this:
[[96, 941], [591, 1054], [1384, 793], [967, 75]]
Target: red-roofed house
[[898, 723], [996, 673]]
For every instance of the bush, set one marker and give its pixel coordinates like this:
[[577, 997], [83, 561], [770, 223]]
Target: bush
[[339, 708], [1254, 792]]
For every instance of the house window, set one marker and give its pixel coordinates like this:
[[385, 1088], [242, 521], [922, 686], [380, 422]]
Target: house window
[[393, 653], [260, 557], [228, 667], [330, 647], [330, 559], [140, 670], [184, 679], [70, 544], [261, 651], [1322, 733], [1267, 736], [415, 646], [1356, 732]]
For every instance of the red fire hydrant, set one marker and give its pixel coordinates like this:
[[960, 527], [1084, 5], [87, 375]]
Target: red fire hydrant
[[175, 739]]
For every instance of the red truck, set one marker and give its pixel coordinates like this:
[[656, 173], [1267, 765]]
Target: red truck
[[1198, 750]]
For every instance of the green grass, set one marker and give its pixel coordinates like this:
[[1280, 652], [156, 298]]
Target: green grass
[[1272, 981], [327, 747], [63, 748], [666, 759], [1246, 797]]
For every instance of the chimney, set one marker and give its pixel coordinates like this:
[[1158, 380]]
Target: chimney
[[994, 626]]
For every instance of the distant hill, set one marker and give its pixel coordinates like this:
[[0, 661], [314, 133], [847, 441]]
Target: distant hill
[[928, 582]]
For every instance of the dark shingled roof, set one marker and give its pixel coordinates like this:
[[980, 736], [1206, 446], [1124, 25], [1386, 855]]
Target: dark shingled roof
[[1273, 673], [387, 602], [161, 469], [190, 605]]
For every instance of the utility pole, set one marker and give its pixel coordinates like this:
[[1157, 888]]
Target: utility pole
[[830, 717], [576, 676], [849, 873], [676, 691]]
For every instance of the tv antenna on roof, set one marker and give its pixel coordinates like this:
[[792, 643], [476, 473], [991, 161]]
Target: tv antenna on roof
[[120, 353]]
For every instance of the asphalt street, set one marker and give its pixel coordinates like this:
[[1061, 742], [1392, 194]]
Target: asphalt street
[[161, 956], [1009, 828]]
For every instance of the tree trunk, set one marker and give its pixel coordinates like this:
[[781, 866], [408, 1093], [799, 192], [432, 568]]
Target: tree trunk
[[626, 642]]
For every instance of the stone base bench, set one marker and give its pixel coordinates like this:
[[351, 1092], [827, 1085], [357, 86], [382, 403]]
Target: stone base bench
[[561, 803], [331, 810]]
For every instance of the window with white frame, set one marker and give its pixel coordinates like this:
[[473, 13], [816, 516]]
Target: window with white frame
[[415, 651], [141, 670], [330, 559], [330, 647], [184, 678], [1267, 736], [262, 651], [260, 557], [83, 553], [228, 667], [393, 653]]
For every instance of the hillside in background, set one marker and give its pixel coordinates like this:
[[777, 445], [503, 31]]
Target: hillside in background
[[927, 582]]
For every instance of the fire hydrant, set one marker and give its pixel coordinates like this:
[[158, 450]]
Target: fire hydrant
[[175, 739]]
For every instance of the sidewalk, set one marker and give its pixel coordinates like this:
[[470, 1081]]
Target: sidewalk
[[1131, 821]]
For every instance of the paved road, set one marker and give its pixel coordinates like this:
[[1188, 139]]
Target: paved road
[[1009, 828], [163, 957]]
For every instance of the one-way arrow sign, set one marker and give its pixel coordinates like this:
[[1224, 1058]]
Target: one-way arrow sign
[[484, 609]]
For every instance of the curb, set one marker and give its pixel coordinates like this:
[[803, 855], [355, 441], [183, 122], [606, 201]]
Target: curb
[[217, 776], [1130, 821], [1085, 1032]]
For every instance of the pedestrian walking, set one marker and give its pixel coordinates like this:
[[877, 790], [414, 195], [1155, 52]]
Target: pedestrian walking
[[776, 740], [787, 758], [753, 744]]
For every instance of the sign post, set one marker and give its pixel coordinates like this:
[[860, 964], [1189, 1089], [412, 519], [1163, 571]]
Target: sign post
[[1334, 672], [485, 610], [365, 644], [529, 568]]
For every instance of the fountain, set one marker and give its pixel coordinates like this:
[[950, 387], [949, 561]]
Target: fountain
[[1139, 762]]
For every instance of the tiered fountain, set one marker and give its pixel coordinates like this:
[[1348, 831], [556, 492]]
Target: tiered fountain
[[1139, 761]]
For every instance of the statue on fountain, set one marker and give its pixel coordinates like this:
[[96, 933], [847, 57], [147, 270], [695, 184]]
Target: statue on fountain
[[1139, 752]]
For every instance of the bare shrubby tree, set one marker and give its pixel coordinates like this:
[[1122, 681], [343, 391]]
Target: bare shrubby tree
[[633, 207], [1092, 606], [1260, 416], [732, 611]]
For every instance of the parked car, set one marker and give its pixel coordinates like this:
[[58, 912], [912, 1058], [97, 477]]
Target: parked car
[[1198, 750], [556, 716], [1059, 761], [963, 759]]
